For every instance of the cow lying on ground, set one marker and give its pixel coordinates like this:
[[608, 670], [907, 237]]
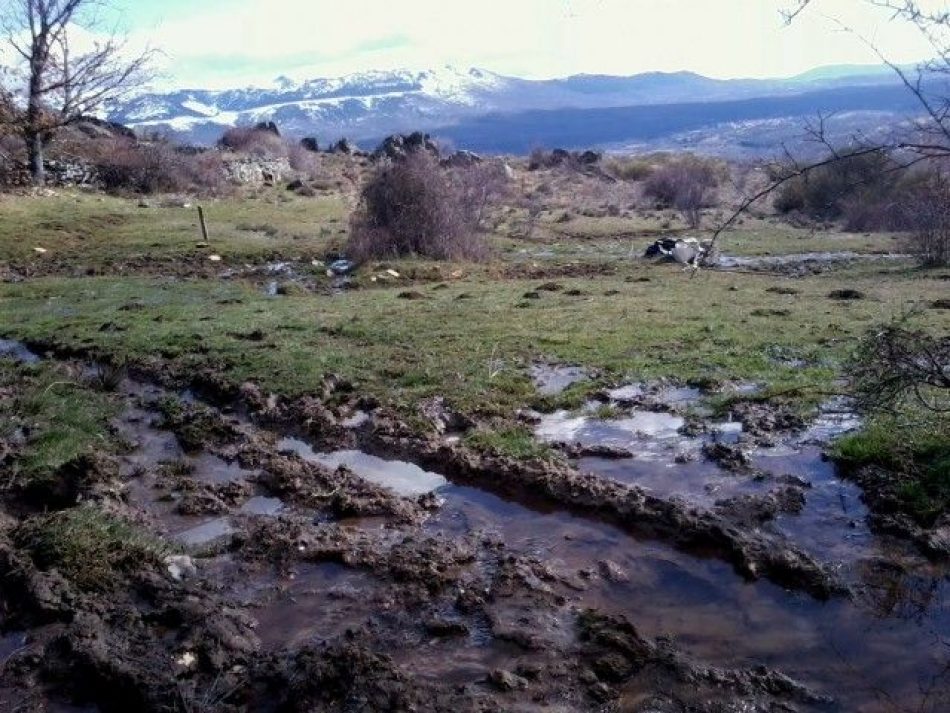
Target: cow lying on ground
[[686, 251]]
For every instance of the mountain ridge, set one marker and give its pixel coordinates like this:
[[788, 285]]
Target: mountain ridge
[[369, 104]]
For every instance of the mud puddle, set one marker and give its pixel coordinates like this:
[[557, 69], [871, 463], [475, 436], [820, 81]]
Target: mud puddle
[[552, 379], [405, 479], [316, 603], [841, 648], [890, 644], [17, 351], [804, 259]]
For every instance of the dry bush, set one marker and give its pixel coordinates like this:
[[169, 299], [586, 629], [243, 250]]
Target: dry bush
[[303, 160], [927, 218], [895, 364], [415, 207], [687, 183], [154, 167], [629, 168], [824, 193], [259, 143]]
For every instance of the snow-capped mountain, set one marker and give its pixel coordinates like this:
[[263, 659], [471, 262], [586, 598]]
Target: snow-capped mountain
[[369, 105], [357, 105]]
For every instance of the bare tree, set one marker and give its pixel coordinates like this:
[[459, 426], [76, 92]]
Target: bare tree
[[61, 84], [925, 141]]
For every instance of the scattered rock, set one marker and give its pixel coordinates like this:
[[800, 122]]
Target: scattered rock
[[613, 572], [506, 680]]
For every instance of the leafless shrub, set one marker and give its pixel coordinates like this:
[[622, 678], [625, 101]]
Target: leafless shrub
[[927, 217], [895, 364], [687, 183], [629, 168], [259, 143], [303, 161], [154, 167], [414, 207]]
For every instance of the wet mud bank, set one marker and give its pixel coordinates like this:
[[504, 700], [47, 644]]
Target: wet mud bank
[[321, 555]]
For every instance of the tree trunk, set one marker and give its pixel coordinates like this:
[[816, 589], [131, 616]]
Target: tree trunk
[[34, 149]]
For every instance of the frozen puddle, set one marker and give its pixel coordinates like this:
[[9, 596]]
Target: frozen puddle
[[403, 478], [836, 417], [550, 380], [814, 257], [645, 433], [206, 534], [261, 505]]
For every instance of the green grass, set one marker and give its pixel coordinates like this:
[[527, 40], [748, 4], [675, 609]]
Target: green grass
[[89, 546], [917, 453], [518, 442], [64, 419], [96, 231], [473, 351]]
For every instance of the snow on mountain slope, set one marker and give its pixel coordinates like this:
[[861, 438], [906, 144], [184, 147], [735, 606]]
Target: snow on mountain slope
[[375, 103]]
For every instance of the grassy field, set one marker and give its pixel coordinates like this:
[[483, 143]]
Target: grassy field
[[469, 337], [96, 230]]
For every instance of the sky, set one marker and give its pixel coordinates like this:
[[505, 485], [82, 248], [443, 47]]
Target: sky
[[225, 43]]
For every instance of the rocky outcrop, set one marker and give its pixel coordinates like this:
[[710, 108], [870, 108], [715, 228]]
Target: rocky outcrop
[[398, 146], [256, 171]]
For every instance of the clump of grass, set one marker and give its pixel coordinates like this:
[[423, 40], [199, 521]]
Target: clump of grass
[[194, 425], [607, 412], [65, 418], [89, 547], [516, 442], [917, 457]]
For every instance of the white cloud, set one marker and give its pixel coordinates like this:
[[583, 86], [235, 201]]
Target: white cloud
[[255, 40]]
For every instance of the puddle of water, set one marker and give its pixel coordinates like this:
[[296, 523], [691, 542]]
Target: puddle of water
[[262, 505], [645, 433], [864, 655], [836, 417], [206, 534], [630, 392], [819, 257], [213, 470], [832, 526], [358, 419], [852, 653], [404, 478], [17, 351], [10, 644], [678, 395], [319, 603], [552, 379]]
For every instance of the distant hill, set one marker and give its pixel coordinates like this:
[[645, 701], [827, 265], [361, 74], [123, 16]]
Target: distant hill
[[484, 111]]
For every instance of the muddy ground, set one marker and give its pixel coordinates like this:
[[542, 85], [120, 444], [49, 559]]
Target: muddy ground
[[247, 552]]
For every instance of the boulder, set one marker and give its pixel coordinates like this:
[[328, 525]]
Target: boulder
[[398, 146], [344, 146], [268, 126], [462, 159]]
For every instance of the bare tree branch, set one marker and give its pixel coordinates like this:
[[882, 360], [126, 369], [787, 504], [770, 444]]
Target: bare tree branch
[[62, 86]]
